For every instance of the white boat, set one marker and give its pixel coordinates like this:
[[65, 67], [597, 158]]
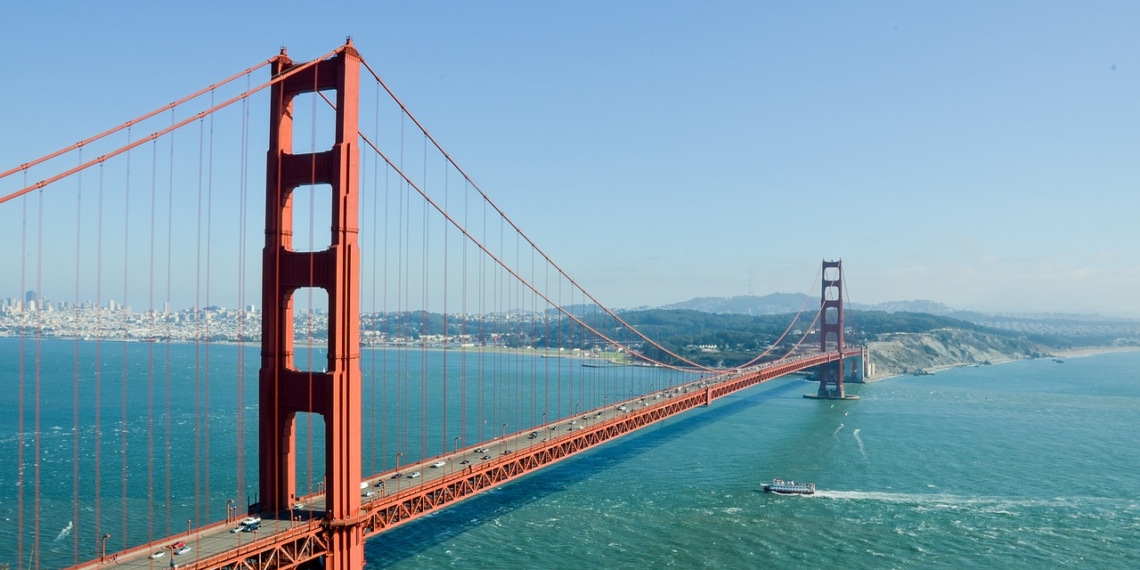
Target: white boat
[[789, 487]]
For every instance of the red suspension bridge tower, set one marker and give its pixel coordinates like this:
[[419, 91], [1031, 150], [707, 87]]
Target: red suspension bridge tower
[[284, 390], [831, 333]]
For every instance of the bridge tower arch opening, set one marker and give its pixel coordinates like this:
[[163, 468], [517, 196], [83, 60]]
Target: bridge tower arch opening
[[284, 390]]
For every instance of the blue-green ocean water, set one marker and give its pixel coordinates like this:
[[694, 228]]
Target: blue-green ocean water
[[1030, 464]]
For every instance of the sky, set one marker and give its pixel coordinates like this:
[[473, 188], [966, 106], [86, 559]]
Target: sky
[[983, 155]]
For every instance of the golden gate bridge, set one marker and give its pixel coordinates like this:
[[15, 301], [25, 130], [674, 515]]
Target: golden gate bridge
[[415, 346]]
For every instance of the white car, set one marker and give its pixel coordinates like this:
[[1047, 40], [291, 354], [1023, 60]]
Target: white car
[[237, 528], [250, 520], [413, 475], [183, 550], [157, 555], [438, 464]]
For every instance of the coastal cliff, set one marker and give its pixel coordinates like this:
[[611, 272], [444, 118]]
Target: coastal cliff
[[923, 353]]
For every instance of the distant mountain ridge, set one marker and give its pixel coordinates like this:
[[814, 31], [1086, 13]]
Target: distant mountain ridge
[[771, 304], [1050, 328]]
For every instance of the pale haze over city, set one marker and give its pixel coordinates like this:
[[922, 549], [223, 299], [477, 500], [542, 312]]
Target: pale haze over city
[[980, 155]]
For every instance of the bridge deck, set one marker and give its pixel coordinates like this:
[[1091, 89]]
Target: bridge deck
[[395, 498]]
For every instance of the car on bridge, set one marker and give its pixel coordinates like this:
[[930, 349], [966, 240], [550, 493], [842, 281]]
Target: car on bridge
[[250, 520], [413, 475]]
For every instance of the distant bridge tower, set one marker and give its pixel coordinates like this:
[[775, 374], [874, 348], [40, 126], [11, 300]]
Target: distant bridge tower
[[284, 390], [831, 332]]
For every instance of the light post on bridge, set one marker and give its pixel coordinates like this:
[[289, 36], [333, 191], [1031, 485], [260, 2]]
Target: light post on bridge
[[503, 436], [454, 454], [103, 546], [229, 510], [398, 455]]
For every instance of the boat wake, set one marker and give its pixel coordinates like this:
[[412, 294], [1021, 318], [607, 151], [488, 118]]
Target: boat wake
[[860, 440], [64, 533], [946, 501], [836, 432]]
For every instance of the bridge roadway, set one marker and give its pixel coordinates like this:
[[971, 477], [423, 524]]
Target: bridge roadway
[[395, 497]]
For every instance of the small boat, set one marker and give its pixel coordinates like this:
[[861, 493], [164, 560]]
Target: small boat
[[789, 487]]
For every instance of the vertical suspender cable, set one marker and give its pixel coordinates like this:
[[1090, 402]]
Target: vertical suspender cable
[[150, 353], [530, 342], [482, 419], [38, 377], [375, 316], [546, 346], [169, 324], [424, 318], [98, 341], [123, 311], [387, 331], [446, 332], [20, 412], [243, 315], [378, 315], [75, 433], [206, 313], [463, 404], [401, 317], [198, 334]]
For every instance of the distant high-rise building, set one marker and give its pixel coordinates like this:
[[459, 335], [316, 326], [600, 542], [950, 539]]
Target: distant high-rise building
[[30, 297]]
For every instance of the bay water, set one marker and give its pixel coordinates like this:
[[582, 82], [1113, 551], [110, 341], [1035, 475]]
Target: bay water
[[1028, 464]]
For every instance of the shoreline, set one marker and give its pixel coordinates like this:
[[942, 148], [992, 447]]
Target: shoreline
[[1070, 353]]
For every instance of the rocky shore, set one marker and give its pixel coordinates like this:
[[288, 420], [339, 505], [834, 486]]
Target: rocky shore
[[926, 353]]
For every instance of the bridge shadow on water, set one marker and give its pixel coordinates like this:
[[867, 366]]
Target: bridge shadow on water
[[419, 535]]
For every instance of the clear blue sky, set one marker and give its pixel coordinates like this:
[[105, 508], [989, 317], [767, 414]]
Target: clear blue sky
[[985, 155]]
